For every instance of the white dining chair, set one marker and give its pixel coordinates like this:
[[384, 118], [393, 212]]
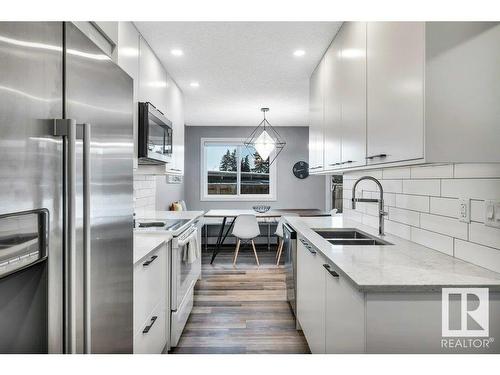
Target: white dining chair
[[279, 234], [245, 229]]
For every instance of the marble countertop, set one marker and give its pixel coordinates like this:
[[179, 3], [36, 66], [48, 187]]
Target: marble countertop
[[403, 266], [189, 215], [144, 243], [168, 215]]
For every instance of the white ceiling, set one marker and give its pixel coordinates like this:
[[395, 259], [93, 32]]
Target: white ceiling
[[241, 66]]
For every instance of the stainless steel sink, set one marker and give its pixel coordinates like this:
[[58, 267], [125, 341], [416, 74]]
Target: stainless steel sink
[[342, 233], [350, 237]]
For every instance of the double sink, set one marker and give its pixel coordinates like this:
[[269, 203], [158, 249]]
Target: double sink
[[350, 237]]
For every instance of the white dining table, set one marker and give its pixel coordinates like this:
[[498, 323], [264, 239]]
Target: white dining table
[[269, 217]]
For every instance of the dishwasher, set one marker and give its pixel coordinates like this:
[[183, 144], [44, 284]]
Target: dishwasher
[[290, 248]]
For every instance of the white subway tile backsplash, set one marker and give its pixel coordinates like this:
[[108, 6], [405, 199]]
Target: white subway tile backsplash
[[404, 216], [483, 256], [444, 206], [144, 193], [353, 215], [480, 189], [371, 221], [423, 207], [422, 187], [396, 173], [413, 202], [477, 211], [392, 186], [389, 198], [377, 173], [432, 171], [445, 225], [477, 170], [397, 229], [433, 240], [347, 193], [366, 185], [481, 234], [371, 209]]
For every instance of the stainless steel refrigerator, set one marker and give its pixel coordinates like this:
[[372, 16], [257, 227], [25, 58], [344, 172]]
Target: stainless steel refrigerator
[[66, 206]]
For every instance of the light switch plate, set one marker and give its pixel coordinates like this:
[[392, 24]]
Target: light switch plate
[[464, 210], [492, 213]]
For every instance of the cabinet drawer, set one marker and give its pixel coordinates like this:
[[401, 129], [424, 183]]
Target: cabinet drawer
[[152, 336], [150, 285]]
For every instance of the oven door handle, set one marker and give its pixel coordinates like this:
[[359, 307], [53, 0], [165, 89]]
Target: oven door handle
[[183, 242]]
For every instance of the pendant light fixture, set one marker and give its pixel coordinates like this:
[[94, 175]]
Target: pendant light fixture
[[265, 139]]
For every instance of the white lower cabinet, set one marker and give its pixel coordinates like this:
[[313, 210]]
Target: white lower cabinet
[[338, 318], [152, 335], [345, 315], [151, 326], [311, 297]]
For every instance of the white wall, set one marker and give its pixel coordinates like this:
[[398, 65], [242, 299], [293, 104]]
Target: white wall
[[423, 207]]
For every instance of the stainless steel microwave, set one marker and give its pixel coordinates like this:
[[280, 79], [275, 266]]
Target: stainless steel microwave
[[155, 136]]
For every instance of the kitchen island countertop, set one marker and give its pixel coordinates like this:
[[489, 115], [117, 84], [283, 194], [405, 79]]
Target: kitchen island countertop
[[403, 266]]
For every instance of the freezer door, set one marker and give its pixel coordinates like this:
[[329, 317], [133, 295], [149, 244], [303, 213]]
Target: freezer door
[[30, 180], [99, 93]]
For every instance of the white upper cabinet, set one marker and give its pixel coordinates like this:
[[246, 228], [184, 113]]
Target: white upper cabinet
[[158, 88], [344, 97], [152, 78], [175, 113], [332, 105], [422, 93], [462, 91], [353, 93], [316, 162], [395, 76]]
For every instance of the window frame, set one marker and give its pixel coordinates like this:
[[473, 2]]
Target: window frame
[[204, 196]]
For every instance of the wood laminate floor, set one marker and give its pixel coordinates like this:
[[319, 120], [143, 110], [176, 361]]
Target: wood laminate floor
[[241, 309]]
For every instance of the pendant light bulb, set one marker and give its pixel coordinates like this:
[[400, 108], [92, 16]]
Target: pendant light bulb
[[264, 144]]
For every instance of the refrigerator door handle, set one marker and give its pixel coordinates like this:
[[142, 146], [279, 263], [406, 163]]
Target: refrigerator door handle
[[86, 239], [66, 128], [70, 131]]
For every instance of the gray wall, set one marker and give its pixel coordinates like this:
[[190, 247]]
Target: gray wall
[[291, 192]]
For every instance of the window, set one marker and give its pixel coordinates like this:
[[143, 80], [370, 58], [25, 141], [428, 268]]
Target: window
[[231, 171]]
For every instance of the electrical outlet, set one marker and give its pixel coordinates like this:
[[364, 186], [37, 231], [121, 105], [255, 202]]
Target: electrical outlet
[[492, 213], [464, 210]]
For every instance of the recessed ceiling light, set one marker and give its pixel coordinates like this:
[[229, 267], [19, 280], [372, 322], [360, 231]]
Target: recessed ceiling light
[[299, 52], [194, 84], [177, 52]]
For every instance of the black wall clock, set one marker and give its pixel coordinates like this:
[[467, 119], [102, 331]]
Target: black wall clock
[[301, 169]]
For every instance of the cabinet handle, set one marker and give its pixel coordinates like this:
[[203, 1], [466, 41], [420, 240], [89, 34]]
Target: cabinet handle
[[147, 328], [308, 247], [148, 262], [330, 271], [376, 156], [317, 167], [311, 250], [342, 163]]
